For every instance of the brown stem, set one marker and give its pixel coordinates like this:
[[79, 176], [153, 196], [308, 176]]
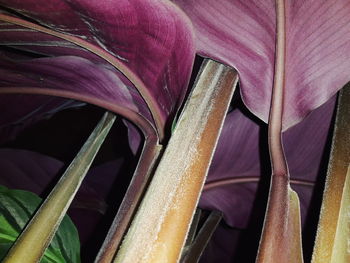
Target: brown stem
[[130, 202], [332, 239], [158, 231]]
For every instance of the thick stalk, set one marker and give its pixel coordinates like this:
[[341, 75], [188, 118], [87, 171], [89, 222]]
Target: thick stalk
[[159, 229], [130, 202], [36, 237], [332, 243], [280, 241]]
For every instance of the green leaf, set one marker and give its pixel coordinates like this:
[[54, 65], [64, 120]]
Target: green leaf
[[16, 209]]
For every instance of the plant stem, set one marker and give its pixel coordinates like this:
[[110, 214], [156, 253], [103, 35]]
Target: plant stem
[[247, 180], [281, 237], [278, 161], [158, 231], [198, 246], [332, 239], [36, 237], [193, 229], [130, 201]]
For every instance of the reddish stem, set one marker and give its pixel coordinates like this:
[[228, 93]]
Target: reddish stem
[[278, 231], [278, 161]]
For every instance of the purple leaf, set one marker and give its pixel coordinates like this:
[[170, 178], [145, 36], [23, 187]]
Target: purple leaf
[[242, 34], [83, 79], [109, 53], [234, 174], [143, 38]]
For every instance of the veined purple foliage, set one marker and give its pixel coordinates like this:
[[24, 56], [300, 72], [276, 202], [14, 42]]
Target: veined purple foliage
[[237, 165], [135, 57], [149, 41], [242, 34]]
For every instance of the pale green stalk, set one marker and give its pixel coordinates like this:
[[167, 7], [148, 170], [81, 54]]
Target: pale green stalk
[[36, 237]]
